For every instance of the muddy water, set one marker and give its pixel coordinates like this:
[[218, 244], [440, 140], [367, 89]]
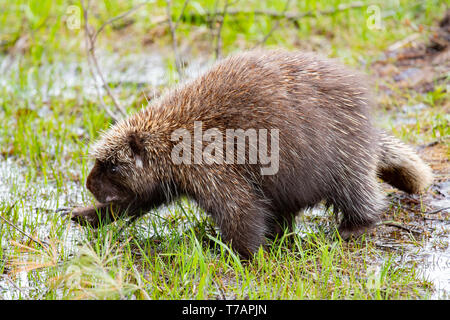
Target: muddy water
[[38, 200], [432, 254], [429, 255], [436, 252]]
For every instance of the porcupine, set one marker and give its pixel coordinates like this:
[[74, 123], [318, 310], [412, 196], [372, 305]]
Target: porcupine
[[328, 149]]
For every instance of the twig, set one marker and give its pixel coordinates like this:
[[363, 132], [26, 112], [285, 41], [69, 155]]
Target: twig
[[212, 23], [427, 145], [173, 27], [41, 243], [291, 16], [5, 276], [274, 26], [218, 50], [120, 16], [437, 211], [181, 13], [296, 16], [396, 224], [399, 44], [92, 60], [434, 219]]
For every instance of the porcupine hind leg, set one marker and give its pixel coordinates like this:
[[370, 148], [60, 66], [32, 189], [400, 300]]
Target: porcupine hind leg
[[360, 203]]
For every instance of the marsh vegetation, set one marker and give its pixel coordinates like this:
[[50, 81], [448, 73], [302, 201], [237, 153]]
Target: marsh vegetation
[[56, 95]]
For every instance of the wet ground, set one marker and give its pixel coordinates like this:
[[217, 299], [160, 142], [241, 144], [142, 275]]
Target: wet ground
[[418, 227]]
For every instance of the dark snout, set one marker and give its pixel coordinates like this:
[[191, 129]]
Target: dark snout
[[93, 183], [90, 184], [100, 186]]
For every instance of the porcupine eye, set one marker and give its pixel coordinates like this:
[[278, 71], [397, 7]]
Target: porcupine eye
[[113, 169]]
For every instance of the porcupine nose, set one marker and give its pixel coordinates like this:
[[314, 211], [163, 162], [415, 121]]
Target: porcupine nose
[[93, 184], [90, 183]]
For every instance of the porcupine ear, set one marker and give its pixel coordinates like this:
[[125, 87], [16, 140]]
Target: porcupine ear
[[137, 146]]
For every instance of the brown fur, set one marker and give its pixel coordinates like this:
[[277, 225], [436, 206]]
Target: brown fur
[[329, 149]]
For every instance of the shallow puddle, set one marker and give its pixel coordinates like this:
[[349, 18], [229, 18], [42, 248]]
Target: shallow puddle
[[70, 79], [428, 253], [34, 206]]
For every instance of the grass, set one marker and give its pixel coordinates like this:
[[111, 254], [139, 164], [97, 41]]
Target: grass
[[49, 115], [186, 268]]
